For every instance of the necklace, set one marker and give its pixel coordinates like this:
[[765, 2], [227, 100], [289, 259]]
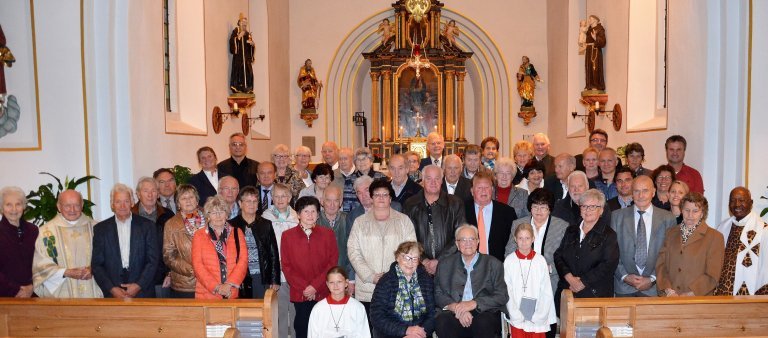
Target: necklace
[[525, 278], [336, 322]]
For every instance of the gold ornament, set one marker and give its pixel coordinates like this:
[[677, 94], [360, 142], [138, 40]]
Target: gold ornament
[[418, 8]]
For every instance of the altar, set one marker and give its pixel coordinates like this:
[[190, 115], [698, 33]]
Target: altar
[[417, 74]]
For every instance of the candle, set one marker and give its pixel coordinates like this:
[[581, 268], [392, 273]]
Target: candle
[[597, 105], [235, 105], [382, 133]]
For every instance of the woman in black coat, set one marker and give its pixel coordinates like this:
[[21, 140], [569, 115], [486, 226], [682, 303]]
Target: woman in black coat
[[261, 246]]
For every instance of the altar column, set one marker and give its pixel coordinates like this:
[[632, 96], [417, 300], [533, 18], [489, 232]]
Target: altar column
[[387, 99], [449, 102], [375, 106], [460, 105]]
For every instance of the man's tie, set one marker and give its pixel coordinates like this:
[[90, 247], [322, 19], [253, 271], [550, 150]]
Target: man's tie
[[166, 202], [264, 200], [641, 248], [436, 162], [481, 230]]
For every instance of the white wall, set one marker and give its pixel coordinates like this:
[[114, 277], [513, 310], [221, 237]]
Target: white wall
[[757, 165]]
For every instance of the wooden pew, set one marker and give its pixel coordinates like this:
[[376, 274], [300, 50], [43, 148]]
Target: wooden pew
[[715, 316], [131, 318]]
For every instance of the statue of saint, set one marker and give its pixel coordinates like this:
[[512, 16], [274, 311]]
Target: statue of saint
[[310, 86], [6, 60], [595, 41], [526, 82], [450, 32], [242, 47]]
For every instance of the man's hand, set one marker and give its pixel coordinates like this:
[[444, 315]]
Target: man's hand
[[643, 283], [574, 283], [309, 292], [167, 282], [131, 289], [25, 291], [376, 277], [430, 265], [275, 287], [118, 292], [465, 319], [631, 280], [415, 332], [351, 289], [461, 308]]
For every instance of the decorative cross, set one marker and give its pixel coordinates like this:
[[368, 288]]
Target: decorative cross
[[418, 119], [416, 62]]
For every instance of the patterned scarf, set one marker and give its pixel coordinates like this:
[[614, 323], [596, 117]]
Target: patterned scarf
[[409, 302], [219, 244], [685, 232], [193, 221]]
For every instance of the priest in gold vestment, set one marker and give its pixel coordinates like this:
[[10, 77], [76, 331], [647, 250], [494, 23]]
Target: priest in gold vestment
[[61, 265]]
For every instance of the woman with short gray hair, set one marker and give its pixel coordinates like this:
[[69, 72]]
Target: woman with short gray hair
[[17, 245]]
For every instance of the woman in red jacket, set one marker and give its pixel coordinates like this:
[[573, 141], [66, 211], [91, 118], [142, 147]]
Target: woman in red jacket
[[219, 254], [307, 253]]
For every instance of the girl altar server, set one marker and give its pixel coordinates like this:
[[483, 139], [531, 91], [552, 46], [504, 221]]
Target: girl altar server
[[338, 315]]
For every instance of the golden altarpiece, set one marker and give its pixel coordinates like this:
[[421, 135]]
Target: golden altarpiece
[[417, 81]]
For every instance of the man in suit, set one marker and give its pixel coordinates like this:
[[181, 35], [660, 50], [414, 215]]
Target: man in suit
[[568, 208], [565, 164], [541, 152], [149, 207], [266, 175], [435, 146], [403, 185], [455, 183], [623, 180], [598, 139], [207, 180], [238, 165], [640, 232], [472, 162], [470, 290], [493, 219], [166, 187], [345, 177], [330, 152], [435, 215], [125, 250], [228, 190]]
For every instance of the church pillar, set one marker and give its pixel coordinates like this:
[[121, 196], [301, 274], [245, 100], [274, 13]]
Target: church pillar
[[375, 106], [387, 99], [460, 105], [449, 103]]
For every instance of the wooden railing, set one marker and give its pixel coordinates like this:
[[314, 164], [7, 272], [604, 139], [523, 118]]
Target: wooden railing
[[131, 318], [714, 316]]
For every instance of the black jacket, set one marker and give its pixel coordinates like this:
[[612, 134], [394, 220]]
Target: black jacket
[[501, 225], [594, 260], [411, 188], [204, 187], [245, 172], [383, 317], [447, 215], [571, 213], [463, 188], [269, 255]]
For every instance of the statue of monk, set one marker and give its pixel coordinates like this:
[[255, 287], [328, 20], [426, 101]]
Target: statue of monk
[[310, 86]]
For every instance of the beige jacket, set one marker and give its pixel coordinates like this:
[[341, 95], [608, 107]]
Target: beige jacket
[[177, 255], [371, 246]]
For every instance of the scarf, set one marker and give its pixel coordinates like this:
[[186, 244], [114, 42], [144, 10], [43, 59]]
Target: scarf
[[220, 245], [409, 302], [685, 232], [193, 221]]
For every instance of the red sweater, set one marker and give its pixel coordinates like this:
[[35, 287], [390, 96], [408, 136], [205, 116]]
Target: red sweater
[[305, 261]]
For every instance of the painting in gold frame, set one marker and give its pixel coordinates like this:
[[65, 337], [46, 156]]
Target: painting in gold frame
[[423, 94]]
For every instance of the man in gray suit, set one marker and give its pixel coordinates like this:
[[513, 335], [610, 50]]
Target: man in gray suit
[[640, 231]]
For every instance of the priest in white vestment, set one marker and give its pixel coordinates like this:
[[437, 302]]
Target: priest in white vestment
[[745, 265], [61, 265]]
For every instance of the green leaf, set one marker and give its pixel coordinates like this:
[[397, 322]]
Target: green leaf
[[765, 211], [55, 178]]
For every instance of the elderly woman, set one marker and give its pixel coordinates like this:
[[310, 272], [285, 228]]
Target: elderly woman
[[534, 176], [263, 255], [17, 245], [663, 177], [677, 190], [635, 158], [281, 157], [588, 254], [403, 303], [364, 164], [219, 254], [522, 152], [505, 191], [322, 176], [490, 146], [691, 259], [307, 253], [177, 241], [374, 236], [413, 159], [302, 156], [590, 163]]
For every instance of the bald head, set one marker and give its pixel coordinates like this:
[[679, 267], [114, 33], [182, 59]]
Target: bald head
[[70, 205], [740, 202]]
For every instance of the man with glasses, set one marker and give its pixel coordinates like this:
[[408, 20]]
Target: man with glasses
[[492, 218], [228, 190], [598, 139], [470, 288], [640, 231], [675, 147], [567, 208], [266, 174], [242, 168], [435, 147]]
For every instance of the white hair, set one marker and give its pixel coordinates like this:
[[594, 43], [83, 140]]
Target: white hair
[[120, 188], [13, 190]]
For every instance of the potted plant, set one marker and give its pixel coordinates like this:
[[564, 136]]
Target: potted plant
[[41, 203]]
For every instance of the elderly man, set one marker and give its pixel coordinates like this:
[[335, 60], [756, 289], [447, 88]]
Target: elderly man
[[435, 147], [455, 183], [149, 208], [166, 187], [330, 152], [345, 177], [332, 217], [675, 147], [568, 208], [361, 186], [364, 164], [207, 180], [125, 252], [598, 139], [541, 152], [623, 180], [266, 175], [607, 163], [745, 265], [229, 189], [61, 266], [565, 164], [238, 165], [470, 290], [493, 218], [640, 231], [435, 215], [472, 161], [403, 185]]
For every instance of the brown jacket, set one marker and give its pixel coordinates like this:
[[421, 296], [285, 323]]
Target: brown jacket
[[694, 266], [177, 255]]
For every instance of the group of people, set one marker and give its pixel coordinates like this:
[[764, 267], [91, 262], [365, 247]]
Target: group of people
[[444, 244]]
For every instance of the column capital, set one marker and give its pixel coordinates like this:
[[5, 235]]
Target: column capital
[[375, 76]]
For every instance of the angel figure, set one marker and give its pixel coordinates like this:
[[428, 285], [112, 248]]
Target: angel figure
[[386, 30], [583, 27], [450, 33]]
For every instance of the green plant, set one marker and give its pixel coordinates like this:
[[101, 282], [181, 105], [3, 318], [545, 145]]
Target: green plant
[[181, 173], [41, 204], [765, 210]]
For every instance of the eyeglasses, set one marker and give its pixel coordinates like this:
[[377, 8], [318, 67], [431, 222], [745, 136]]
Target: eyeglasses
[[590, 207], [466, 240], [216, 213], [539, 207], [281, 156], [381, 195], [304, 156], [237, 144], [229, 189], [598, 140], [409, 258], [666, 178], [251, 202]]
